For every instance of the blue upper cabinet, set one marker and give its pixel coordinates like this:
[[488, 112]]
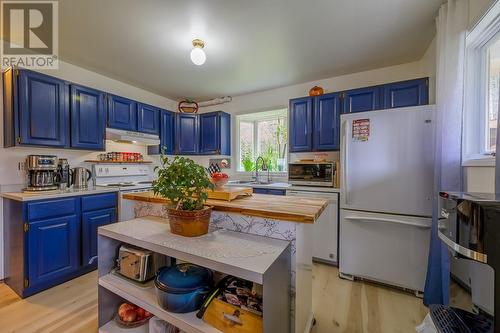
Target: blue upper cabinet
[[167, 135], [327, 109], [300, 120], [186, 134], [148, 119], [215, 133], [88, 118], [53, 250], [122, 113], [406, 93], [363, 99], [41, 116]]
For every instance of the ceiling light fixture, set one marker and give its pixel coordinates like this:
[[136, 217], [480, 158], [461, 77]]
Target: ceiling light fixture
[[198, 56]]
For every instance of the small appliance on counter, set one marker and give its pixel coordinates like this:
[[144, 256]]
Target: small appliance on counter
[[80, 178], [42, 173], [138, 264], [63, 171], [469, 226], [311, 173]]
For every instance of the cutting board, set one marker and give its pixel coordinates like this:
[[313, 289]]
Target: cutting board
[[229, 193]]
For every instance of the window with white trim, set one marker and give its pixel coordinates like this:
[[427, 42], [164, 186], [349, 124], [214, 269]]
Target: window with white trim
[[263, 134], [482, 88], [492, 92]]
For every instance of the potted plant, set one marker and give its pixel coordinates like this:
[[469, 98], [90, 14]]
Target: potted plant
[[184, 183]]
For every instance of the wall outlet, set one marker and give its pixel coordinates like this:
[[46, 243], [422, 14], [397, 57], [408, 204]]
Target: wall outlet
[[21, 166]]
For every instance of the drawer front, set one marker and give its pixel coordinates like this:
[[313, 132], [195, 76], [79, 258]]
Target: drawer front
[[276, 192], [52, 208], [99, 201], [260, 191]]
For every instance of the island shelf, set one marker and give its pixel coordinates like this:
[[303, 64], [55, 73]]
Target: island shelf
[[259, 259]]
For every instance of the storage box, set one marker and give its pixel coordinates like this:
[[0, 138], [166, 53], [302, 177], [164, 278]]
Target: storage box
[[225, 316]]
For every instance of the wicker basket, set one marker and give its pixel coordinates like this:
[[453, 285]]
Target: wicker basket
[[189, 223]]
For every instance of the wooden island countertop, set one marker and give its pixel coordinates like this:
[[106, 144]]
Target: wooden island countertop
[[294, 209]]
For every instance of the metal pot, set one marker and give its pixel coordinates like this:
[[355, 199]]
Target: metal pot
[[182, 288], [80, 178]]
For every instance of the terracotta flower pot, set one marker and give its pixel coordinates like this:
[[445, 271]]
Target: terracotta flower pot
[[189, 223]]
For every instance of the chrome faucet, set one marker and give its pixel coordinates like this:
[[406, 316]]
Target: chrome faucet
[[264, 168]]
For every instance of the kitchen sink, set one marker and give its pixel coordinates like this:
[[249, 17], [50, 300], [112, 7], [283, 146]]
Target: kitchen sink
[[253, 182]]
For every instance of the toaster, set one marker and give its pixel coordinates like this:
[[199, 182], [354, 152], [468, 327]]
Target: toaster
[[139, 264]]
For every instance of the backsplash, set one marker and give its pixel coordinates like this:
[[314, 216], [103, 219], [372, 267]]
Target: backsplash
[[11, 177]]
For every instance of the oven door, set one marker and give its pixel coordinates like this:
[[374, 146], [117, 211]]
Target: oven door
[[460, 227], [311, 174]]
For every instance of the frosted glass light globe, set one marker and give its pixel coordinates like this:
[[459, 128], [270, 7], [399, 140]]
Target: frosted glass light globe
[[198, 56]]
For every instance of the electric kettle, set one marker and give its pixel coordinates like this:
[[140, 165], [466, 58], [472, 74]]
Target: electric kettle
[[80, 178]]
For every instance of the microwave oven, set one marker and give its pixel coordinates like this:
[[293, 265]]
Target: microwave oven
[[312, 173]]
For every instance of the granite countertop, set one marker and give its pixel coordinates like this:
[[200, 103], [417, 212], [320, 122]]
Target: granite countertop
[[31, 196], [287, 208]]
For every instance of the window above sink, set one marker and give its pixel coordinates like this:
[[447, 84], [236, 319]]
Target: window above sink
[[263, 134]]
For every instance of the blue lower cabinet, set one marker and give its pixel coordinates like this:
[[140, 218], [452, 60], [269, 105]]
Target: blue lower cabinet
[[406, 93], [90, 222], [53, 248], [269, 191], [57, 239], [276, 192]]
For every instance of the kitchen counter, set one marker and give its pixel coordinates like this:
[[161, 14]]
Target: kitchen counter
[[25, 196], [288, 218], [294, 209]]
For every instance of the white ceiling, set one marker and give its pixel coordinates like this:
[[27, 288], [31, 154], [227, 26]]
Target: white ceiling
[[251, 45]]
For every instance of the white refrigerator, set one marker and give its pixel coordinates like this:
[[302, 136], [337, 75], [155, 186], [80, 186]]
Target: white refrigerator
[[386, 195]]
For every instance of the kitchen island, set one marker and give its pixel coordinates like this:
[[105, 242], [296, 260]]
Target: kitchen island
[[286, 218]]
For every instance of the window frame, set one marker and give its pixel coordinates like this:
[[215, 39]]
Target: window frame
[[266, 116], [479, 37]]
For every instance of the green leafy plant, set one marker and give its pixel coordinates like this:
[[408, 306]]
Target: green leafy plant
[[183, 182], [247, 162]]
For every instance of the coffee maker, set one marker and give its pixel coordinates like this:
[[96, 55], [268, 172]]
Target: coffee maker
[[42, 173]]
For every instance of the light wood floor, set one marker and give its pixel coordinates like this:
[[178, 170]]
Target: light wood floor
[[340, 306]]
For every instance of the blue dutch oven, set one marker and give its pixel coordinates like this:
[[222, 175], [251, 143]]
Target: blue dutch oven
[[182, 288]]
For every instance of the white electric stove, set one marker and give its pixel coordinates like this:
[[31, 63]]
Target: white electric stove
[[127, 178]]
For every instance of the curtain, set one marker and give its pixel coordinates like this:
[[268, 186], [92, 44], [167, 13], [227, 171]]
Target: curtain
[[451, 25]]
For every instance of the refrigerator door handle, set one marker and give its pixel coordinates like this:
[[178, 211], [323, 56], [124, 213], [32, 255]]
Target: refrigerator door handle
[[377, 219], [345, 188]]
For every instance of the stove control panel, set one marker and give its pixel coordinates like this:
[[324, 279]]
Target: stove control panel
[[121, 170]]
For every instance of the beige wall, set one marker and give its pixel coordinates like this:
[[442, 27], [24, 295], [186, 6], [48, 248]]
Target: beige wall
[[278, 98]]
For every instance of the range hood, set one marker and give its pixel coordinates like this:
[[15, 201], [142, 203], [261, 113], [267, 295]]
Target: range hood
[[142, 139]]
